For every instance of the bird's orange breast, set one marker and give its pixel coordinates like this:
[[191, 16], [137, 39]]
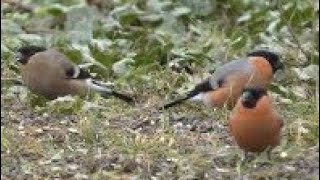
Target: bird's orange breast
[[255, 129]]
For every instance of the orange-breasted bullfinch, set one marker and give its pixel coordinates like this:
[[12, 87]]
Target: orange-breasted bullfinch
[[49, 73], [225, 85], [254, 122]]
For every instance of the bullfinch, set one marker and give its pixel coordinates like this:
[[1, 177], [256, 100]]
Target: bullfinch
[[50, 73], [254, 122], [225, 85]]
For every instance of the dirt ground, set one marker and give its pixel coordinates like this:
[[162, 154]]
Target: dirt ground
[[139, 142]]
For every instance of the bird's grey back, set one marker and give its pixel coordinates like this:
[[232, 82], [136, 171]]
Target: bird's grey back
[[232, 68]]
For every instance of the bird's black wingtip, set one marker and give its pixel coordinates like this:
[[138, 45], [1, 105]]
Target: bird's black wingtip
[[123, 97], [170, 104], [174, 103]]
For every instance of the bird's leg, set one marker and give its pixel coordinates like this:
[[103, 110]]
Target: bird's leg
[[269, 153], [245, 157]]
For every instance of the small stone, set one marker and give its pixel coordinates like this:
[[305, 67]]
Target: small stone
[[73, 130], [284, 154], [39, 131], [72, 167]]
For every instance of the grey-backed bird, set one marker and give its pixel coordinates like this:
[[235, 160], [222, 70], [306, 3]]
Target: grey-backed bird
[[225, 85]]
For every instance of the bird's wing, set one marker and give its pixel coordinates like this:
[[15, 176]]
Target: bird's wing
[[76, 72], [71, 70], [222, 75], [235, 68], [231, 70]]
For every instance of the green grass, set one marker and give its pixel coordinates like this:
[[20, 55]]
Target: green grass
[[98, 138], [141, 141]]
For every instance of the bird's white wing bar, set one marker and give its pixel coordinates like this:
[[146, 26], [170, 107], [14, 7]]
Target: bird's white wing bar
[[96, 87], [85, 65], [198, 97], [76, 72]]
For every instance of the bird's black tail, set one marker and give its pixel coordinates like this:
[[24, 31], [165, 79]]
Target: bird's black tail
[[202, 87], [121, 96], [191, 94]]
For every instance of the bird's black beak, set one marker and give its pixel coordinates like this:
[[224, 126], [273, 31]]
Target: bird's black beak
[[248, 100]]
